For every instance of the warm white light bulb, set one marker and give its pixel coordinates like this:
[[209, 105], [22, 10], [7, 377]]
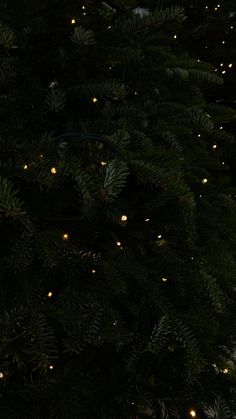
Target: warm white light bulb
[[103, 163], [221, 127], [118, 243], [225, 371], [147, 219], [230, 65], [175, 36], [223, 162], [83, 7], [214, 146], [231, 27], [1, 375], [223, 72], [164, 279], [199, 135], [65, 236], [159, 236], [53, 170], [192, 413], [93, 271], [51, 367], [223, 42], [221, 64], [94, 99], [50, 294], [124, 218], [73, 21], [204, 180], [25, 167]]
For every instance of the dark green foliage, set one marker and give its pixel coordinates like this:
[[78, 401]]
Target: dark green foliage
[[117, 258]]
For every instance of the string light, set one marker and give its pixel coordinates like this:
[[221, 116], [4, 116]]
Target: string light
[[109, 27], [65, 236], [93, 271], [1, 375], [223, 72], [221, 64], [83, 7], [124, 218], [159, 236], [225, 371], [214, 146], [221, 127], [231, 27], [94, 99], [230, 65], [53, 170], [204, 181], [73, 21], [218, 5], [199, 135], [192, 413], [223, 162], [103, 163], [50, 294], [164, 279], [175, 36], [25, 167], [84, 13], [223, 42], [118, 243], [51, 367], [147, 220]]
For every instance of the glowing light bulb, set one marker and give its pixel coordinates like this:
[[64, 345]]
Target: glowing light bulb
[[159, 236], [223, 162], [223, 42], [198, 61], [118, 243], [51, 367], [200, 196], [124, 218], [73, 21], [218, 5], [192, 413], [221, 64], [84, 13], [83, 7], [147, 220], [94, 99], [204, 181], [206, 7], [214, 146], [225, 371], [231, 27], [223, 72], [103, 163], [53, 170], [216, 9], [175, 36], [164, 279], [1, 375], [65, 236], [199, 135], [50, 294], [230, 65], [136, 93], [93, 271], [221, 127], [25, 167], [109, 27]]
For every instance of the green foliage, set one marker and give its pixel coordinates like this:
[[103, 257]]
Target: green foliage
[[118, 266]]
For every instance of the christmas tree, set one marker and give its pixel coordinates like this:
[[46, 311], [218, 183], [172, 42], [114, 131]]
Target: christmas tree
[[117, 217]]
